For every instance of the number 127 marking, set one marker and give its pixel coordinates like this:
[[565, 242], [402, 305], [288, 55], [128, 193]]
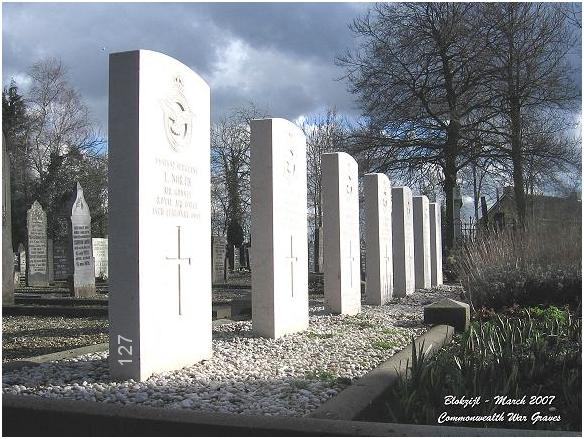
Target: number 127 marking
[[126, 349]]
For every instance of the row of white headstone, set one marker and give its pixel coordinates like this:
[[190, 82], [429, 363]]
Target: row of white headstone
[[160, 217]]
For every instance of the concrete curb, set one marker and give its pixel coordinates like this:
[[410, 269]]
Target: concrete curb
[[71, 353], [361, 401], [60, 417], [61, 355], [51, 311]]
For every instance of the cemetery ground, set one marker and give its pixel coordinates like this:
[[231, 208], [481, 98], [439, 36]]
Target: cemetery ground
[[291, 376]]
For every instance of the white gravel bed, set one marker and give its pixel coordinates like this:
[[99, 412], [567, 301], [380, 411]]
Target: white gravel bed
[[290, 376]]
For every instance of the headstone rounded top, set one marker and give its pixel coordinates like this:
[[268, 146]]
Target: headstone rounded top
[[343, 157], [36, 212], [404, 189]]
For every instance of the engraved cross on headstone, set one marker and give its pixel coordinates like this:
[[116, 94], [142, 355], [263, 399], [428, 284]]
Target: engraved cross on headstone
[[292, 260], [386, 257], [179, 261], [351, 259]]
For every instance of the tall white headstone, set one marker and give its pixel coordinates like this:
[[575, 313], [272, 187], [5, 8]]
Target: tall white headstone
[[422, 259], [340, 194], [403, 241], [83, 265], [436, 243], [379, 266], [279, 228], [100, 253], [159, 215], [36, 223]]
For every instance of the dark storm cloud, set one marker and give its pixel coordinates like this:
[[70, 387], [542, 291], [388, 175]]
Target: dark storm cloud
[[277, 55]]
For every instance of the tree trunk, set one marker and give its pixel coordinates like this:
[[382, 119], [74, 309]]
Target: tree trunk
[[449, 184], [476, 194], [517, 160]]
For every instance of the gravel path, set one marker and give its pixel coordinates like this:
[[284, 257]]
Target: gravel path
[[289, 376]]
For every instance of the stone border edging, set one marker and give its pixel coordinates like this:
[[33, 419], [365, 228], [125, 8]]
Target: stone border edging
[[60, 417], [61, 355], [54, 311], [70, 353], [360, 401]]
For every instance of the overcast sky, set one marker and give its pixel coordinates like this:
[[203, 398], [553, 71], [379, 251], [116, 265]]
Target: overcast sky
[[280, 56]]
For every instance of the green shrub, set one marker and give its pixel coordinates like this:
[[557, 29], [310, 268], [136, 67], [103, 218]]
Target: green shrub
[[536, 266], [503, 356]]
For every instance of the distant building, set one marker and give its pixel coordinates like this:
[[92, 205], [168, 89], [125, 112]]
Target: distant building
[[543, 209]]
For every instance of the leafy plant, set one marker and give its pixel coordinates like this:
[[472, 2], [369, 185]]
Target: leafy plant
[[512, 356]]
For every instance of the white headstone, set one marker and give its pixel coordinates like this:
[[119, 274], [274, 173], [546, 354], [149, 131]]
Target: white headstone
[[83, 265], [159, 215], [36, 220], [340, 193], [403, 241], [436, 244], [100, 246], [379, 266], [422, 259], [279, 228]]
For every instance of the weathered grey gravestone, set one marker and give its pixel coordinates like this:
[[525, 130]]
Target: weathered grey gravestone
[[83, 265], [422, 258], [379, 267], [219, 254], [436, 244], [50, 260], [36, 223], [7, 251], [159, 215], [100, 257], [62, 260], [236, 263], [342, 280], [22, 264], [403, 241], [278, 224]]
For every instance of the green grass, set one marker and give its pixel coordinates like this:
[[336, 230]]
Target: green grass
[[384, 344], [322, 375], [538, 351], [358, 322], [311, 334]]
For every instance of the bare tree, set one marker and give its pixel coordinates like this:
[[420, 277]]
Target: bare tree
[[418, 78], [230, 149], [527, 73], [58, 142], [324, 133]]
